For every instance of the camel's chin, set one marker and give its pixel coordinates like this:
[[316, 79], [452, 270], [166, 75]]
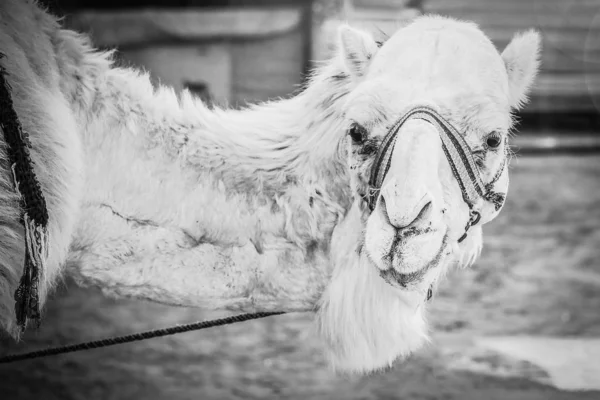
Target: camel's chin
[[366, 323]]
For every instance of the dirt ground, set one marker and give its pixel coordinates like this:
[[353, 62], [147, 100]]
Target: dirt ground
[[539, 274]]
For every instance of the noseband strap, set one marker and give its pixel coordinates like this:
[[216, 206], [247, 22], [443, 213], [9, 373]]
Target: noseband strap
[[459, 156]]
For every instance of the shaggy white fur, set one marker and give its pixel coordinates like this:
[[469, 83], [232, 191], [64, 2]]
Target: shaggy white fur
[[157, 197]]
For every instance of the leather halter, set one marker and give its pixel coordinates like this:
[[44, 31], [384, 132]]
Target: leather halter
[[459, 156]]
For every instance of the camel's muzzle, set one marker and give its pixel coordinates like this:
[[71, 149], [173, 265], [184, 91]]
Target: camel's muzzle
[[459, 156]]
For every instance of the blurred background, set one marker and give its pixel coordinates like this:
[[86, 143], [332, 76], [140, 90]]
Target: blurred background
[[522, 323]]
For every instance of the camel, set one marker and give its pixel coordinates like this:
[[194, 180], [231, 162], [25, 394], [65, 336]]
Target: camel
[[153, 195]]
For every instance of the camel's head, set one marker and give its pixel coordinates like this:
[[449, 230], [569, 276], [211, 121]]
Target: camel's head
[[419, 182]]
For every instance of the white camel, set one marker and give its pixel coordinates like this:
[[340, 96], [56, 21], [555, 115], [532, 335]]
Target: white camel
[[156, 197]]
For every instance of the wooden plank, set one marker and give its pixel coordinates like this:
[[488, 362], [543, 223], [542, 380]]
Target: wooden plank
[[140, 27], [549, 104], [494, 6], [580, 21], [567, 84], [553, 92], [562, 62]]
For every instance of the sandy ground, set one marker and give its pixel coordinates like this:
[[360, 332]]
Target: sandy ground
[[539, 274]]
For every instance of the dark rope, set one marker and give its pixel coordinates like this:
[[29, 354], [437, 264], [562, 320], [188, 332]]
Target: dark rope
[[34, 211], [136, 337]]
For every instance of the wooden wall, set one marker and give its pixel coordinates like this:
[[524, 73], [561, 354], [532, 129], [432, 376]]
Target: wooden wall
[[232, 55]]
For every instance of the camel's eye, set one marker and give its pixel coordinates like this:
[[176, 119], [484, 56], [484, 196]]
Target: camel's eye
[[358, 133], [493, 140]]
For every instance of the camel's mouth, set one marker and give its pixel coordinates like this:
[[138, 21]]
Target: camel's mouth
[[402, 280], [400, 270]]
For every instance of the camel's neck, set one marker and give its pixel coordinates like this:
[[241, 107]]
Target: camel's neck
[[274, 169]]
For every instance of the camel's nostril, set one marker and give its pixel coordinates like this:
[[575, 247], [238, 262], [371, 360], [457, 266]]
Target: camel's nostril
[[401, 219], [424, 214], [383, 208]]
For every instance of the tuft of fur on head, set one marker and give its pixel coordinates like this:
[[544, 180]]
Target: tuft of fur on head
[[522, 60], [365, 323]]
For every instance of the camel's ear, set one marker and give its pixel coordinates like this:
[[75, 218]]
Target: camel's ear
[[357, 48], [521, 58]]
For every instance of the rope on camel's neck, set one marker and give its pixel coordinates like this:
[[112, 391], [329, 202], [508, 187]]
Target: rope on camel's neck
[[34, 213]]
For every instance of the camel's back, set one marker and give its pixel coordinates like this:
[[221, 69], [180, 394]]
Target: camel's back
[[36, 62]]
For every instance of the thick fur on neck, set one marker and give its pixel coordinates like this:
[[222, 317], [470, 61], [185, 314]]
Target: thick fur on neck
[[366, 324], [256, 193]]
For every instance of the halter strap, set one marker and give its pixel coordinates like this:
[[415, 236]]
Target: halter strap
[[459, 156]]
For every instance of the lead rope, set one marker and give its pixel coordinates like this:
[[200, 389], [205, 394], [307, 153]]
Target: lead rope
[[34, 213], [96, 344]]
